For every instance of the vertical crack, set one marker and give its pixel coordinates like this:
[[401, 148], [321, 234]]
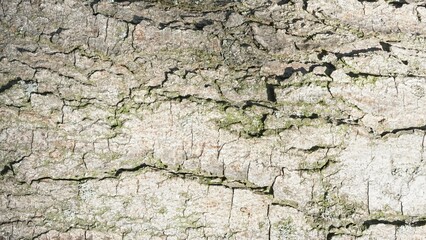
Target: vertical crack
[[92, 5], [396, 86], [396, 232], [305, 5], [106, 35], [137, 186], [248, 170], [133, 37], [418, 15], [422, 151], [83, 160], [230, 209], [270, 92], [269, 221], [329, 90], [368, 196], [192, 141]]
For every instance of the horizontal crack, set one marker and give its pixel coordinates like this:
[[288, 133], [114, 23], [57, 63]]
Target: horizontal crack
[[10, 84], [208, 180], [395, 131], [83, 179], [408, 221]]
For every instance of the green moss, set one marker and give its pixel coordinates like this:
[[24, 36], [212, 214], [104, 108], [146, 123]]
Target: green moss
[[388, 214], [248, 123], [314, 166], [309, 79], [211, 181], [336, 211], [364, 81], [124, 109], [192, 5], [204, 58], [184, 194], [109, 156], [162, 210], [114, 122], [208, 59], [159, 164], [286, 228], [286, 202]]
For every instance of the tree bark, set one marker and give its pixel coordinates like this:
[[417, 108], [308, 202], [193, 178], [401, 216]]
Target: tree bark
[[184, 119]]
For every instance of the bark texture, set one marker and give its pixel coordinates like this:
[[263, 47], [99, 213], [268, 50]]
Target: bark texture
[[190, 119]]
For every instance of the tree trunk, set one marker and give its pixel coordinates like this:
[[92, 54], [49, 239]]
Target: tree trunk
[[184, 119]]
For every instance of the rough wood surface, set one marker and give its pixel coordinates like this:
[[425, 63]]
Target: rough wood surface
[[215, 119]]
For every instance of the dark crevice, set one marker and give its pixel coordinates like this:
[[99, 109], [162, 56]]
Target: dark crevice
[[138, 19], [134, 169], [330, 235], [43, 93], [310, 116], [397, 222], [385, 46], [283, 2], [162, 25], [178, 98], [57, 32], [360, 74], [270, 92], [10, 84], [330, 68], [398, 3], [312, 67], [419, 223], [364, 74], [166, 74], [322, 54], [249, 104], [92, 6], [84, 179], [316, 148], [357, 52], [343, 121], [25, 50], [202, 24], [394, 131], [305, 5], [313, 148], [312, 36], [5, 170], [289, 71]]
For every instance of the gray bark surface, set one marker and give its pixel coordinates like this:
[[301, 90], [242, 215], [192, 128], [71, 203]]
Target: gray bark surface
[[215, 119]]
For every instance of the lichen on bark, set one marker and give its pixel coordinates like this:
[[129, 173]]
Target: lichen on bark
[[215, 119]]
